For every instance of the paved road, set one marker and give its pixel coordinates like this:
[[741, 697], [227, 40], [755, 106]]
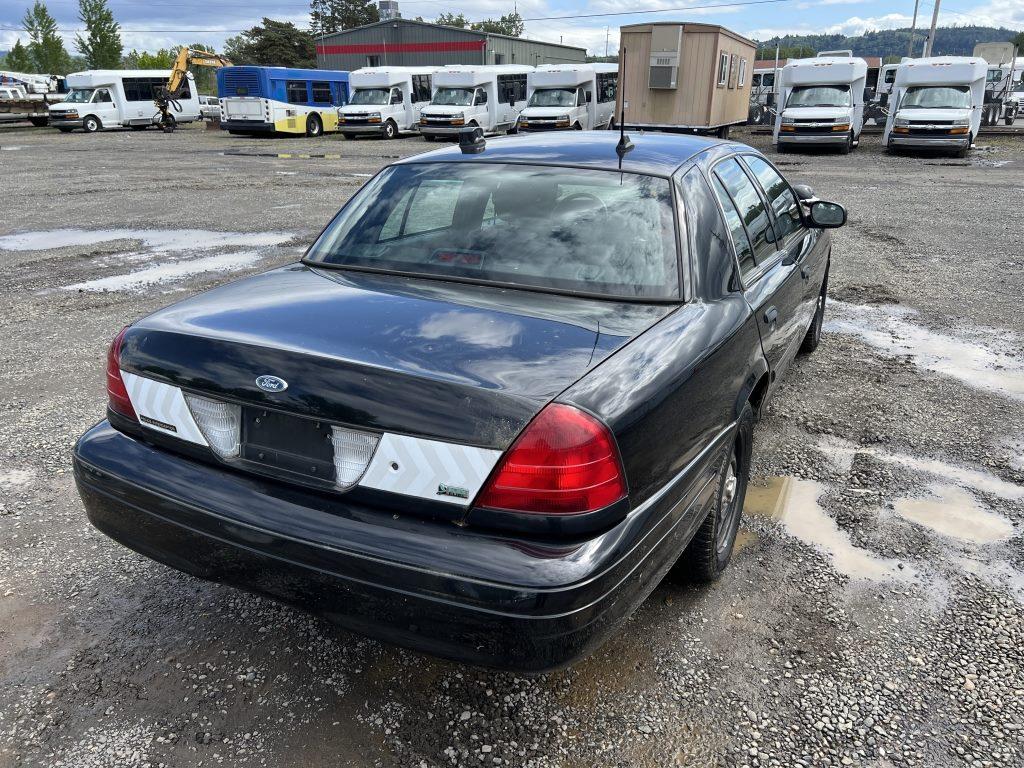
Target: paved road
[[872, 615]]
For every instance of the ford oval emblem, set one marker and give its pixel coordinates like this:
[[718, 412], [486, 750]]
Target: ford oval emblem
[[271, 383]]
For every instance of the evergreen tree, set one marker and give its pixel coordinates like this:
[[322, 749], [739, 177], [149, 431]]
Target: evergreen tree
[[45, 47], [18, 58], [327, 16], [274, 44], [510, 24], [101, 45]]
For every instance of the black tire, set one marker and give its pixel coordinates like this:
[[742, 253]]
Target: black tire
[[1009, 119], [813, 336], [577, 127], [314, 126], [169, 124], [65, 130], [962, 152], [348, 136], [781, 148], [40, 122], [710, 550], [847, 145], [91, 124], [390, 130]]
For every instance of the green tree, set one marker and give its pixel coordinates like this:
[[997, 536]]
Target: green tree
[[453, 20], [328, 16], [18, 58], [45, 45], [510, 24], [1018, 40], [101, 45], [274, 43]]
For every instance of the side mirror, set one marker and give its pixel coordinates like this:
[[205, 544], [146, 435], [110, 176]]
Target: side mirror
[[826, 215], [804, 192]]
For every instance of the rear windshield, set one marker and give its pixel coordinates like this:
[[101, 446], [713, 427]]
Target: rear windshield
[[598, 232]]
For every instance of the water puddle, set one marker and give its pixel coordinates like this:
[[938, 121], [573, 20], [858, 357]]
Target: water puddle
[[954, 512], [169, 271], [155, 240], [794, 503], [891, 330], [14, 477], [996, 572], [841, 453]]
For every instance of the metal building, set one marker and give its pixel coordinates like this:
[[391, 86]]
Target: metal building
[[403, 42]]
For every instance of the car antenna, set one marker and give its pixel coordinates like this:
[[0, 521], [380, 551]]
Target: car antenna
[[625, 144]]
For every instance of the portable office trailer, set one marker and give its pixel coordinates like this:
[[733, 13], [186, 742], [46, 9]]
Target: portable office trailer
[[386, 100], [570, 97], [490, 97], [106, 98], [937, 103], [821, 102], [678, 76]]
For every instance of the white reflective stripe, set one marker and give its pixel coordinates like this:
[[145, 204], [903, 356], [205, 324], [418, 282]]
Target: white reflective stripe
[[163, 404], [424, 466]]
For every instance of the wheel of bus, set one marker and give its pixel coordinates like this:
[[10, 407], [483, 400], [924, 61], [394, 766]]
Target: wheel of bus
[[390, 129], [91, 124], [314, 126]]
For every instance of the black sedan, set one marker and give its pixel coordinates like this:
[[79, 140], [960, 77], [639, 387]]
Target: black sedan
[[505, 391]]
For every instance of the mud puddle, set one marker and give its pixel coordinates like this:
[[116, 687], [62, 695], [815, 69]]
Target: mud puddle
[[955, 513], [794, 503], [893, 331]]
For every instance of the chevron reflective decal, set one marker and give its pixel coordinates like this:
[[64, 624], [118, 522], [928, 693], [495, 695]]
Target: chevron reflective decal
[[161, 407], [428, 469]]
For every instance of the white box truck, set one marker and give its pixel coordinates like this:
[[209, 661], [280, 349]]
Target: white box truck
[[937, 103], [821, 102], [563, 97], [490, 97], [114, 98], [385, 101]]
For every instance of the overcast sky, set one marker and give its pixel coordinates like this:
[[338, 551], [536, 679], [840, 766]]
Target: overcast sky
[[153, 24]]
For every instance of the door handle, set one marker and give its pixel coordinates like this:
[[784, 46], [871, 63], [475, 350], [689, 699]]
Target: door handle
[[771, 316]]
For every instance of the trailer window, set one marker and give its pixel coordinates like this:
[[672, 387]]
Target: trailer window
[[750, 206], [743, 72], [321, 92], [296, 92], [723, 69], [567, 229]]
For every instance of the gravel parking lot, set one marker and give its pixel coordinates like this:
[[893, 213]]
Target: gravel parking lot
[[873, 614]]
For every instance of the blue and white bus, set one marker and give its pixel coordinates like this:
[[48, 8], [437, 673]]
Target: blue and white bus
[[280, 99]]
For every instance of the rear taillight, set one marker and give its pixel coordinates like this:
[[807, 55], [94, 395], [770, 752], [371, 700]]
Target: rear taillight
[[564, 463], [117, 394]]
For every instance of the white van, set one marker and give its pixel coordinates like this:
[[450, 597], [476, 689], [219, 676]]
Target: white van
[[937, 103], [385, 100], [110, 98], [570, 96], [821, 102], [490, 97]]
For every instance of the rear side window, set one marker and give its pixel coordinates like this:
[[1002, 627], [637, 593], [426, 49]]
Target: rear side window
[[779, 194], [295, 92], [710, 246], [740, 241], [750, 206]]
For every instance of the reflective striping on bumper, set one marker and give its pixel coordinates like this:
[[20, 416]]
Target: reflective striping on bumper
[[162, 407]]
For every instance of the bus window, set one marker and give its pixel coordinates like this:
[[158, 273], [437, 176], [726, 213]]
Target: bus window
[[295, 92], [321, 92]]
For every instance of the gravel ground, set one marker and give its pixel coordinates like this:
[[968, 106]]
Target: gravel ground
[[872, 615]]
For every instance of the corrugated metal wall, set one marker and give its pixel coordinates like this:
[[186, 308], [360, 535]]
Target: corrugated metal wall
[[409, 44]]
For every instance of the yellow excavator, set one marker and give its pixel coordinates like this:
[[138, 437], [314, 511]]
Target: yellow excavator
[[167, 98]]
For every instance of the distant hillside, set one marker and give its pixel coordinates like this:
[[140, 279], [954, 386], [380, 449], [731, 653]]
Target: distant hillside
[[949, 41]]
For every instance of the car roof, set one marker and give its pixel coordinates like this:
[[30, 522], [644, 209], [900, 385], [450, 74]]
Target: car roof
[[658, 154]]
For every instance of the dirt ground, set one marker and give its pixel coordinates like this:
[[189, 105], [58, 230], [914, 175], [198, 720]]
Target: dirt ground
[[873, 614]]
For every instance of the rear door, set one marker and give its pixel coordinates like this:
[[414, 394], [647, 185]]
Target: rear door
[[772, 283]]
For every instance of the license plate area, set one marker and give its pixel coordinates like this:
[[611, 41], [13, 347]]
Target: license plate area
[[278, 443]]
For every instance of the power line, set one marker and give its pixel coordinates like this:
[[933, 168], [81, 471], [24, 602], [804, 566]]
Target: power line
[[658, 10]]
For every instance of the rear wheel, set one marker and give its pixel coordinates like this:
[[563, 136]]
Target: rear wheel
[[91, 124], [390, 130], [711, 548], [314, 126], [813, 337], [1009, 119]]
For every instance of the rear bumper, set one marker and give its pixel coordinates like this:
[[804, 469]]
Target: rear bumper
[[251, 126], [939, 142], [466, 595]]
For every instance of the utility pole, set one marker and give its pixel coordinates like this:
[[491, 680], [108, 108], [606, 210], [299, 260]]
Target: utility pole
[[931, 34], [607, 31], [913, 29]]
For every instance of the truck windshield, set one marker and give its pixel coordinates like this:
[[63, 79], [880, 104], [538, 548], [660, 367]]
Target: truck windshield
[[937, 97], [79, 95], [819, 96], [377, 96], [565, 229], [553, 97], [453, 97]]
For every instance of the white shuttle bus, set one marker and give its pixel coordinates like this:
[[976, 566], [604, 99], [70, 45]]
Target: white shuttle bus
[[937, 103], [821, 102], [114, 98], [385, 101], [490, 97], [570, 97]]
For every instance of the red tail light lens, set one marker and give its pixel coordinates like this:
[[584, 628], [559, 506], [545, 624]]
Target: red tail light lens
[[564, 463], [117, 394]]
